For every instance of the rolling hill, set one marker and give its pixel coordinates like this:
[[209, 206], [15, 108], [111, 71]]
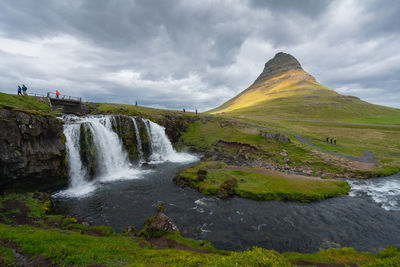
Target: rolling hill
[[285, 90]]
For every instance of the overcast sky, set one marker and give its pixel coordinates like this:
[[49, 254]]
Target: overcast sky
[[196, 54]]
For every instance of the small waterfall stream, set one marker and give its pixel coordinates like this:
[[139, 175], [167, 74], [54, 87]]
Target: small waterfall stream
[[108, 154]]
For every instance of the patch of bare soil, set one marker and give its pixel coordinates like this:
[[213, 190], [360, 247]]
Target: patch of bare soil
[[163, 242], [276, 173]]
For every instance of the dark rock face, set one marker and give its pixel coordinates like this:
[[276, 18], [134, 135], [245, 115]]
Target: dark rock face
[[280, 63], [32, 151]]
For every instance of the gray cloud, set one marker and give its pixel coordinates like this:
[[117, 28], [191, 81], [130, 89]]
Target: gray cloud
[[195, 54]]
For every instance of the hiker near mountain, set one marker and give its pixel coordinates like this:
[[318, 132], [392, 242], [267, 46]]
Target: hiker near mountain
[[19, 90], [57, 94], [24, 89]]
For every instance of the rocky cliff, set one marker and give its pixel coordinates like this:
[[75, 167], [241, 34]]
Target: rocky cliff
[[32, 151]]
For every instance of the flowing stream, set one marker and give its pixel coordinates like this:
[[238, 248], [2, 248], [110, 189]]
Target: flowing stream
[[368, 219]]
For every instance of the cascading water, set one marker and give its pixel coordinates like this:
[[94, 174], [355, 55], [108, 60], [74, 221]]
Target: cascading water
[[139, 141], [161, 147], [112, 161]]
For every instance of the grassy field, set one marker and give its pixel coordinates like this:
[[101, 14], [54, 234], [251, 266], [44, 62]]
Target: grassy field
[[25, 103], [260, 184]]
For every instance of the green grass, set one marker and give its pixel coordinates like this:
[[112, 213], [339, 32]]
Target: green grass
[[388, 257], [253, 184], [26, 103], [6, 256], [72, 248]]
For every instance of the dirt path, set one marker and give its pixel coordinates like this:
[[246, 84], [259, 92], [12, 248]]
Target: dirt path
[[276, 173]]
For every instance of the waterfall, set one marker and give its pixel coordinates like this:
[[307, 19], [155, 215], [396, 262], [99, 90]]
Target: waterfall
[[76, 171], [105, 157], [138, 140], [161, 147]]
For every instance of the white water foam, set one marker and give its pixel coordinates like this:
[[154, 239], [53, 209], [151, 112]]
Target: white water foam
[[384, 191], [161, 147], [112, 160]]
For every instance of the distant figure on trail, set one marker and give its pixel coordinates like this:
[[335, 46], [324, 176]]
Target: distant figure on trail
[[327, 139], [184, 110], [136, 103], [331, 140], [196, 111], [19, 90], [334, 141], [57, 94], [24, 89]]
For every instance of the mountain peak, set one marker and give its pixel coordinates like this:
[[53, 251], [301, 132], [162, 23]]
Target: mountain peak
[[280, 63]]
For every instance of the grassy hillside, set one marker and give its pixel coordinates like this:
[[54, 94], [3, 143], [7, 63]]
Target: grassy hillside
[[294, 95]]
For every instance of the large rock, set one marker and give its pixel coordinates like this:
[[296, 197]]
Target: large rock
[[161, 222], [32, 151], [124, 127]]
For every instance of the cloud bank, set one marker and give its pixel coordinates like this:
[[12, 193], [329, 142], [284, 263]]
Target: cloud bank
[[196, 54]]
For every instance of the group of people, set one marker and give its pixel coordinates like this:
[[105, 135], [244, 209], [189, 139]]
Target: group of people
[[22, 90], [331, 140]]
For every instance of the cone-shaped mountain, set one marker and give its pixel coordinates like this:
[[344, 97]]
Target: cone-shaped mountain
[[285, 90]]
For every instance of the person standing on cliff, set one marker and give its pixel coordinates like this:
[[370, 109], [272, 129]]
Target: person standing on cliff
[[57, 94], [24, 89], [19, 90]]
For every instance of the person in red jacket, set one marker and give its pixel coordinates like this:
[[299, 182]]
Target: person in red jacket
[[57, 94]]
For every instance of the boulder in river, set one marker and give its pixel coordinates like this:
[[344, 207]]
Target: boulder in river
[[161, 222]]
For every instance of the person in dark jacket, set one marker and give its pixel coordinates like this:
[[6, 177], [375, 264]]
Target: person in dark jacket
[[24, 89], [19, 90]]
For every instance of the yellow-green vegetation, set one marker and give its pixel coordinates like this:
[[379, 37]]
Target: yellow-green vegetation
[[259, 184], [347, 256], [25, 103]]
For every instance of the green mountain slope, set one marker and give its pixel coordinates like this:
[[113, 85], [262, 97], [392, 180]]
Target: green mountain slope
[[285, 90]]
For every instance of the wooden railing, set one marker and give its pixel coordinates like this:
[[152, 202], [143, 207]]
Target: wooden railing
[[63, 97]]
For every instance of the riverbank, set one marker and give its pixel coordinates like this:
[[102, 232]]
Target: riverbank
[[29, 235]]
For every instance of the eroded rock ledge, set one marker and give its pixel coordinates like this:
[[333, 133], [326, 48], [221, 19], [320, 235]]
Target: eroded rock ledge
[[32, 150]]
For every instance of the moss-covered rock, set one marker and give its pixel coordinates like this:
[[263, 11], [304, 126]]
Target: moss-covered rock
[[124, 127], [88, 149]]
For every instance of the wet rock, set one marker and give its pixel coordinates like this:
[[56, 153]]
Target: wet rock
[[87, 149], [130, 230], [161, 222], [160, 206]]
